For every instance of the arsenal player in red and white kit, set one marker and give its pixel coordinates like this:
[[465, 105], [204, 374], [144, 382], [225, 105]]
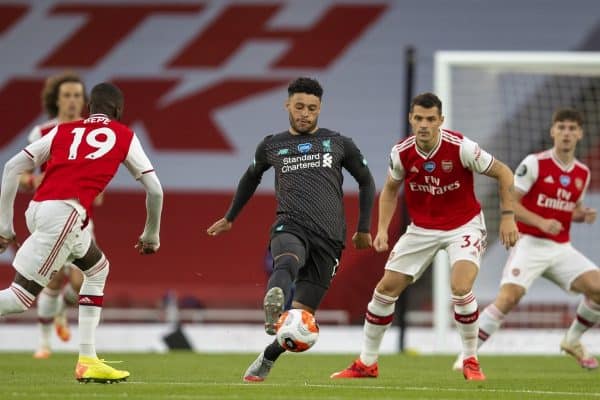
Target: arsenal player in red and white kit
[[436, 168], [550, 190], [83, 156], [64, 100]]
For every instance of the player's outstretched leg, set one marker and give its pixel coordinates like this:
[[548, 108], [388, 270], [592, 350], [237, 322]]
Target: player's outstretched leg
[[273, 306], [259, 369]]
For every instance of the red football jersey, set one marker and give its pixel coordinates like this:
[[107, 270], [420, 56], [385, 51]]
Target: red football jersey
[[552, 190], [438, 186], [83, 156]]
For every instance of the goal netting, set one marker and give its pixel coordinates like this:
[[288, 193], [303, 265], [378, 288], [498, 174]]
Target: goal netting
[[504, 101]]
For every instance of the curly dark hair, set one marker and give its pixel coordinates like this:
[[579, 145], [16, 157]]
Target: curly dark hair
[[52, 87], [426, 100], [567, 114], [305, 85]]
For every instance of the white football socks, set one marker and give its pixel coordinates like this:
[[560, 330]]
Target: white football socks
[[90, 306], [379, 316], [490, 321], [466, 315], [588, 315]]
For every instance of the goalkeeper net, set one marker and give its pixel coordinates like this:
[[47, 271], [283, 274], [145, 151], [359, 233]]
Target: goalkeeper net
[[504, 101]]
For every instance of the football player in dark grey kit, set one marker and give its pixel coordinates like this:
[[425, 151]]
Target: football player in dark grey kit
[[308, 235]]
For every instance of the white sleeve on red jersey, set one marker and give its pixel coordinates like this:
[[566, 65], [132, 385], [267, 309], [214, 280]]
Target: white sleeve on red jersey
[[526, 173], [39, 150], [396, 169], [137, 161], [35, 134], [474, 157]]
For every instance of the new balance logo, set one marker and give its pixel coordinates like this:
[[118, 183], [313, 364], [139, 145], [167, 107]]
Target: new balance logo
[[327, 160], [549, 179], [282, 152]]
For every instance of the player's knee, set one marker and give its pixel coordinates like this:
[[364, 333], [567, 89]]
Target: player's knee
[[95, 277], [287, 262], [393, 283], [589, 285], [509, 297], [460, 289]]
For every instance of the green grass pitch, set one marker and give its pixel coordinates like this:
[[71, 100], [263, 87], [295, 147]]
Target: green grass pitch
[[189, 375]]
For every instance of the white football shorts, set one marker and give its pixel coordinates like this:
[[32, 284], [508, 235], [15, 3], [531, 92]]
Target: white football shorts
[[57, 237], [532, 257], [414, 251]]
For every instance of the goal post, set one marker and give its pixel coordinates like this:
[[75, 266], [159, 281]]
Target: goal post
[[504, 101]]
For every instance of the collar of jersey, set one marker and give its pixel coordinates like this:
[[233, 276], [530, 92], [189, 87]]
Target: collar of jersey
[[564, 167], [432, 152]]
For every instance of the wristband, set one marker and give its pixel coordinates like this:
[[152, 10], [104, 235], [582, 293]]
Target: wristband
[[507, 212]]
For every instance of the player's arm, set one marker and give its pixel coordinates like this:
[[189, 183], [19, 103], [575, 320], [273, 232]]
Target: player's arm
[[526, 175], [509, 233], [99, 200], [32, 156], [356, 164], [388, 200], [478, 160], [550, 226], [141, 169], [29, 180], [245, 189], [584, 214]]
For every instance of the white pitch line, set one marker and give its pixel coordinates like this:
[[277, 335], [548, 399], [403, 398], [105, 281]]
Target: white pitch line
[[398, 388]]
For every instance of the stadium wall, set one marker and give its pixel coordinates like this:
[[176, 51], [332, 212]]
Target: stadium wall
[[229, 338]]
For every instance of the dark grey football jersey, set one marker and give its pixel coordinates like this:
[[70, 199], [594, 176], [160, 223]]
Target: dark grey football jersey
[[308, 180]]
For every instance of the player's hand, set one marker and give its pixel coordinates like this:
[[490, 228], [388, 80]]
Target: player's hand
[[381, 242], [361, 240], [219, 227], [589, 215], [5, 243], [509, 234], [551, 226], [144, 247]]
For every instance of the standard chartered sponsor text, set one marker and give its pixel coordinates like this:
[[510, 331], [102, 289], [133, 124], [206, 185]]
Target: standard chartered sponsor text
[[301, 162]]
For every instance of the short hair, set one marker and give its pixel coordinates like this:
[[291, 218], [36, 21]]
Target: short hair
[[52, 89], [305, 85], [426, 100], [567, 114], [106, 98]]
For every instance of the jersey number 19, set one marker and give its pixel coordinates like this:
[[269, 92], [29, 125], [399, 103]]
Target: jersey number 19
[[92, 139]]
